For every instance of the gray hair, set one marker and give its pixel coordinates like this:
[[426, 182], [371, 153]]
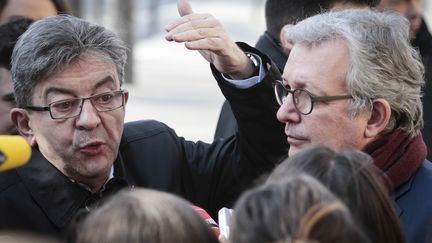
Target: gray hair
[[54, 42], [383, 63]]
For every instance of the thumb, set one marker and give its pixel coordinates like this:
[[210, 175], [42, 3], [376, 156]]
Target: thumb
[[184, 7]]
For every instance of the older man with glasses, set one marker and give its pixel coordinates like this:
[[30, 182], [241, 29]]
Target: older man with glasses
[[68, 77], [353, 81]]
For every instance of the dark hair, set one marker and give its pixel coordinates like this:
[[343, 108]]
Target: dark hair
[[370, 3], [278, 13], [352, 177], [9, 33], [62, 6], [144, 215], [296, 209]]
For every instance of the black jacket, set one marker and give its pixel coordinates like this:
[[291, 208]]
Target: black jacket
[[227, 124], [37, 197], [423, 41]]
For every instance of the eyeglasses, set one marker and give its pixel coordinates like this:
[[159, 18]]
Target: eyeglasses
[[303, 100], [69, 108]]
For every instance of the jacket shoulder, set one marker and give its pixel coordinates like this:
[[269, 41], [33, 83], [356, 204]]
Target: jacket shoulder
[[8, 179], [413, 200], [143, 129]]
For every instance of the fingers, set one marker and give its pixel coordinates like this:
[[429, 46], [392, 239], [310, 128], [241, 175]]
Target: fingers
[[194, 29], [187, 19], [184, 7], [214, 44]]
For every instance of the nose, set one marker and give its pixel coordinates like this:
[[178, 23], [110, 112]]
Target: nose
[[287, 112], [89, 117]]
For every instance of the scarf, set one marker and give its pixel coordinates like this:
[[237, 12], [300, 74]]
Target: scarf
[[398, 156]]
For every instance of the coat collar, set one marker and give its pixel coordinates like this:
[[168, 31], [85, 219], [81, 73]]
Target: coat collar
[[268, 45], [59, 197], [399, 192]]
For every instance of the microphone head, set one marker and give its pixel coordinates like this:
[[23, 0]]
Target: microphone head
[[15, 151]]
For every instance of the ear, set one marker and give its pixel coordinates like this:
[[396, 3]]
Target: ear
[[21, 119], [126, 96], [286, 45], [379, 118]]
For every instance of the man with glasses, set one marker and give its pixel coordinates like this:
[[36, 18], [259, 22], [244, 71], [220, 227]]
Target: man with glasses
[[353, 81], [68, 77]]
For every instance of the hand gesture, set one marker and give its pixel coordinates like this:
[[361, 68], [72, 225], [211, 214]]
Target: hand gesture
[[205, 33]]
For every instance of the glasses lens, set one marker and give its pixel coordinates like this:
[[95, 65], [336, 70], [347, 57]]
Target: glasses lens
[[280, 92], [65, 108], [108, 101], [302, 101]]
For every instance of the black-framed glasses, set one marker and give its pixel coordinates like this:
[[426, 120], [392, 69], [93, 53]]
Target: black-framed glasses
[[69, 108], [303, 100]]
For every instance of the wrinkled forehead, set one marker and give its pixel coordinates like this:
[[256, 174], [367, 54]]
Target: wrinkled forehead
[[87, 62], [327, 60]]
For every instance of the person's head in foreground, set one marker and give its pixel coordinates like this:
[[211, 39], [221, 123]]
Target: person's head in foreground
[[297, 209], [143, 215], [353, 178]]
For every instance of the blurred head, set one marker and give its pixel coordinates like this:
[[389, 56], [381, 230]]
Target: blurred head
[[296, 209], [279, 13], [56, 63], [348, 4], [9, 34], [7, 102], [411, 9], [143, 215], [352, 177], [10, 9], [364, 55]]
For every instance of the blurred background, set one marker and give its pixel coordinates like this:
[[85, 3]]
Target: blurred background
[[166, 81]]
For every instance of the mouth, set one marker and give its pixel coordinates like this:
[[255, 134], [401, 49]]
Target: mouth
[[295, 140], [92, 148]]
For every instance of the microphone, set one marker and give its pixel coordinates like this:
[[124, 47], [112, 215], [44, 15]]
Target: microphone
[[15, 151]]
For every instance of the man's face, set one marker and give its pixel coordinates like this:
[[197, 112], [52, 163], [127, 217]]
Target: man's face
[[27, 8], [82, 147], [411, 9], [321, 70], [6, 102]]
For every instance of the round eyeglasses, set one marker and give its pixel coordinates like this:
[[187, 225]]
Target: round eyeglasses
[[303, 100], [69, 108]]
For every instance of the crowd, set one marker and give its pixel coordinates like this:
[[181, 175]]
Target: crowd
[[324, 136]]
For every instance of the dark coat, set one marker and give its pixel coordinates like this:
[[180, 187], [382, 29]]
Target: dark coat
[[414, 205], [227, 125], [37, 197]]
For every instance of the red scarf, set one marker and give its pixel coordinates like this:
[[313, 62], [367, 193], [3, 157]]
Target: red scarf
[[398, 156]]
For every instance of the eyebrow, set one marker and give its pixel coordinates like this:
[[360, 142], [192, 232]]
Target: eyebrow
[[9, 97], [294, 83], [107, 79]]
